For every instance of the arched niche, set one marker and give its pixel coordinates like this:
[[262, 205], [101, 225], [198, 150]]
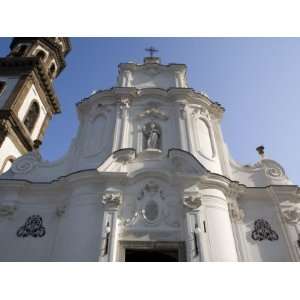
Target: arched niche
[[96, 134], [203, 138], [152, 136]]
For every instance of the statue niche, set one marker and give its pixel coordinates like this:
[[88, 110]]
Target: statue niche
[[151, 136]]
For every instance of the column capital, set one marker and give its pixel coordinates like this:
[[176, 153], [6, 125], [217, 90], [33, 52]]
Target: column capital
[[112, 198], [192, 198]]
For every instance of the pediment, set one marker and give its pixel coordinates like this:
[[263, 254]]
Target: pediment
[[175, 162], [186, 163]]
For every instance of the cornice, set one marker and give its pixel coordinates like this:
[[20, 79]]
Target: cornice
[[134, 66], [28, 64], [50, 42], [170, 94]]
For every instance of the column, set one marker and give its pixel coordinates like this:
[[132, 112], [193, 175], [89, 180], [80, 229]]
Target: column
[[196, 237], [237, 216], [182, 126], [125, 122], [118, 126], [221, 243], [112, 200]]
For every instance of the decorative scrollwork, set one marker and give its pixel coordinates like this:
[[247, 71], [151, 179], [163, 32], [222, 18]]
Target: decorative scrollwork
[[192, 201], [26, 163], [153, 112], [33, 226], [274, 172], [272, 169], [263, 231], [7, 210], [291, 214], [132, 220]]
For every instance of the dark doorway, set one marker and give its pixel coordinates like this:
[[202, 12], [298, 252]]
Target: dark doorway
[[149, 255]]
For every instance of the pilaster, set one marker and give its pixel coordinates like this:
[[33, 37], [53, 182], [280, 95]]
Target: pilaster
[[112, 200]]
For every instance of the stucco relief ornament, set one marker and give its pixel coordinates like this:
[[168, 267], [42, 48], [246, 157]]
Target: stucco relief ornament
[[151, 206], [200, 111], [26, 163], [33, 226], [132, 220], [153, 112], [273, 172], [151, 188], [112, 198], [61, 210], [191, 201], [263, 231], [291, 214], [236, 213], [272, 168], [7, 210]]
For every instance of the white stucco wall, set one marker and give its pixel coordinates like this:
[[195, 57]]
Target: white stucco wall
[[259, 205], [7, 149]]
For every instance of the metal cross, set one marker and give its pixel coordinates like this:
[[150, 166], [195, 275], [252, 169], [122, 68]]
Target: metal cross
[[151, 50]]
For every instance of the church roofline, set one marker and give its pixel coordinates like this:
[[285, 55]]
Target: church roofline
[[135, 92], [93, 173], [132, 65]]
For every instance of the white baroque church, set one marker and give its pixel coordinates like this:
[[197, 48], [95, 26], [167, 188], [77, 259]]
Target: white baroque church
[[148, 176]]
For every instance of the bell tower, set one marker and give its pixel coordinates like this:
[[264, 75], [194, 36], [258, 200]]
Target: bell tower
[[27, 96]]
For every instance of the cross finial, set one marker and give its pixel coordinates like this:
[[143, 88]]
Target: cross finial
[[151, 50]]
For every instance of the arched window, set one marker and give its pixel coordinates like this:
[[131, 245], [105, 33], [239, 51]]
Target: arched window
[[32, 116], [51, 70], [41, 55], [21, 50], [2, 86], [7, 163]]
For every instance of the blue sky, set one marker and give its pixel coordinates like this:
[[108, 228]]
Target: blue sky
[[255, 79]]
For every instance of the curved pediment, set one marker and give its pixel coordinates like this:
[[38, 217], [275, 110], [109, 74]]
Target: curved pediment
[[185, 162], [177, 162]]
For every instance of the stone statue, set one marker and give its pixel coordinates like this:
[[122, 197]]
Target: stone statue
[[152, 136]]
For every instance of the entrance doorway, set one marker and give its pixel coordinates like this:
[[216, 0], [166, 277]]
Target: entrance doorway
[[131, 251], [141, 255]]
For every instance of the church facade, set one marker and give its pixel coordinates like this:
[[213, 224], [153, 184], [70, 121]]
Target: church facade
[[148, 177]]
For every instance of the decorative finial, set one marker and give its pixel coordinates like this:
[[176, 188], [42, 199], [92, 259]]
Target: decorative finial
[[151, 50], [261, 151]]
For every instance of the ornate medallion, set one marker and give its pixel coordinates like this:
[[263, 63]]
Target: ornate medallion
[[263, 231], [33, 226]]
